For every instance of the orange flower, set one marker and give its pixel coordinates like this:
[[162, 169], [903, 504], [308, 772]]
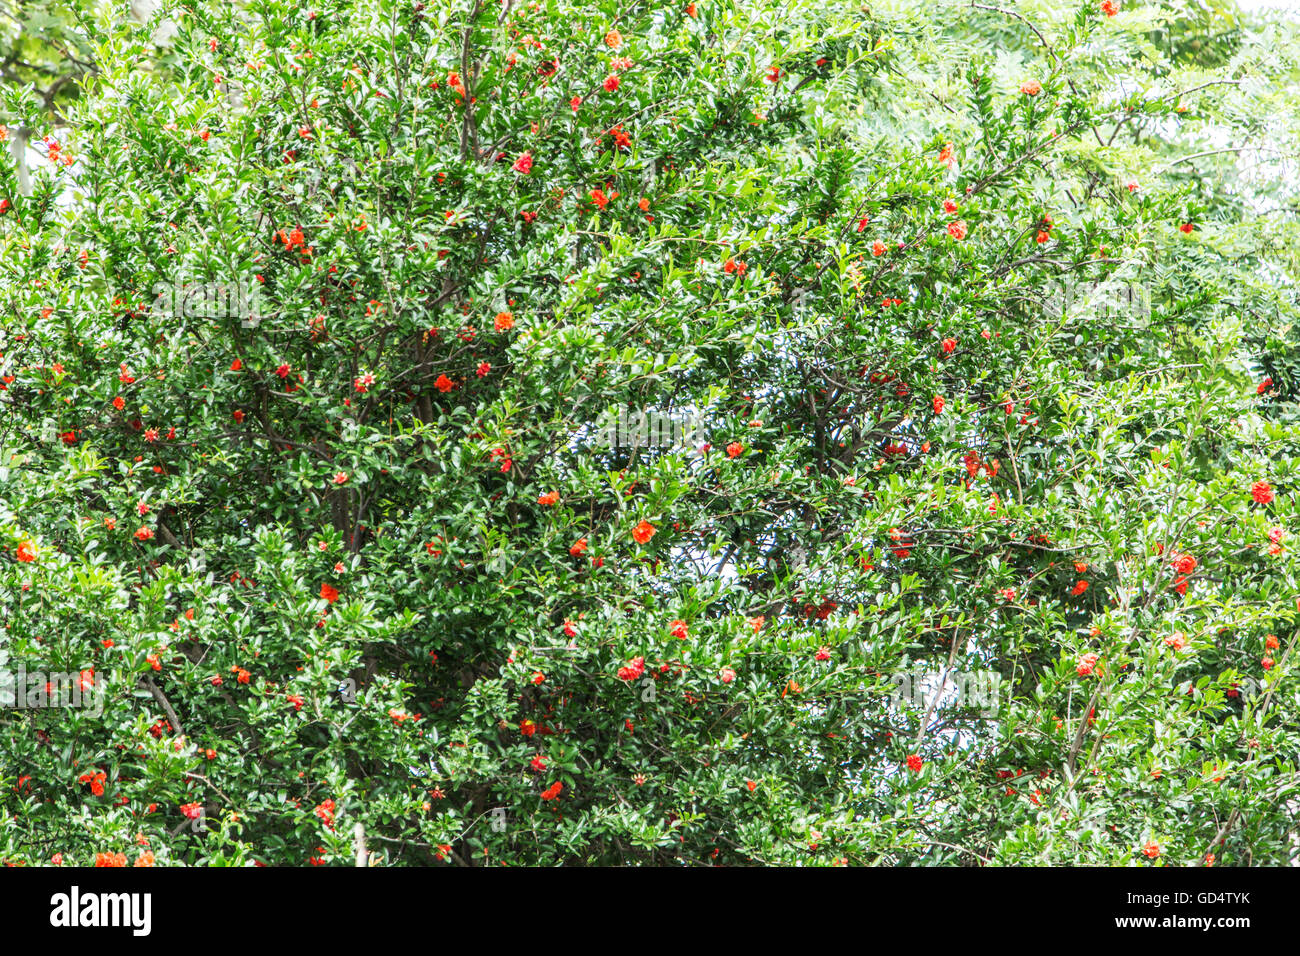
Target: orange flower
[[330, 594], [504, 322], [26, 551], [643, 532], [553, 791], [550, 498], [578, 547]]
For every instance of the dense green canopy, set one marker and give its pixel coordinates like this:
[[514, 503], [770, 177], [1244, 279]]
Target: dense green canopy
[[736, 432]]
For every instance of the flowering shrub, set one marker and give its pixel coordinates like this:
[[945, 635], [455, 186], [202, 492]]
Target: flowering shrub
[[309, 353]]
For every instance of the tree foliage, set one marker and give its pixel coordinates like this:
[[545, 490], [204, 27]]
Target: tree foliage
[[955, 321]]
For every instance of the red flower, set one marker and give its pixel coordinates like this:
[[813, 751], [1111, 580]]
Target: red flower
[[144, 534], [96, 781], [632, 670], [915, 763], [823, 653], [538, 763], [524, 164], [599, 199], [678, 630], [726, 675], [283, 370], [1079, 588], [957, 229], [578, 547], [1152, 849], [527, 728], [1087, 663], [553, 791], [948, 345], [735, 450], [1108, 7], [610, 84], [443, 384], [643, 532], [1262, 492], [26, 551], [192, 811], [330, 594], [550, 498], [325, 811], [1186, 228], [937, 402], [537, 678]]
